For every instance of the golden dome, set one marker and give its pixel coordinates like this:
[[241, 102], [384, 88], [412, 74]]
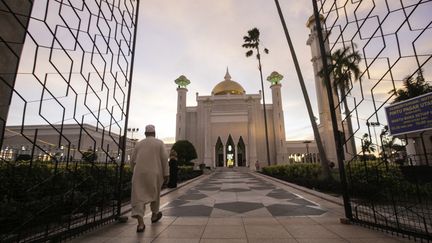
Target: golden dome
[[228, 86]]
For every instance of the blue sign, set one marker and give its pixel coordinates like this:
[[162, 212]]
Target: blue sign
[[411, 115]]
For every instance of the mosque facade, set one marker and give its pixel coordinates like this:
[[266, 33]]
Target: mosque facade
[[227, 127]]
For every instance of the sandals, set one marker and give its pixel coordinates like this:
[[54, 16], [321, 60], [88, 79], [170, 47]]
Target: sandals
[[140, 229], [156, 217]]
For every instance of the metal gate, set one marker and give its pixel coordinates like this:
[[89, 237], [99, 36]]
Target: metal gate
[[389, 177], [64, 101]]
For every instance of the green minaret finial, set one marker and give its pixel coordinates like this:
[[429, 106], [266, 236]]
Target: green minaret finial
[[275, 78], [182, 81]]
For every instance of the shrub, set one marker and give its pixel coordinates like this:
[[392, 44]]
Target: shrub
[[185, 152], [50, 193], [23, 157], [89, 156], [187, 172], [304, 174], [378, 181], [371, 180], [47, 193]]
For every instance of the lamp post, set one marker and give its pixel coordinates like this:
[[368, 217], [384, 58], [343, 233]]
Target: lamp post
[[73, 152], [307, 142], [375, 124], [132, 130]]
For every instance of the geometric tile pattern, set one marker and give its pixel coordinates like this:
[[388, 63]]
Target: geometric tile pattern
[[239, 194]]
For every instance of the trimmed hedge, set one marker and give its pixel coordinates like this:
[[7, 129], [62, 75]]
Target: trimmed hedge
[[187, 172], [370, 180], [382, 182], [304, 174], [48, 194]]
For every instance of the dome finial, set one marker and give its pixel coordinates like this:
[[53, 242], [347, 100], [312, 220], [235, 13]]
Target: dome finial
[[227, 75], [275, 78], [182, 81]]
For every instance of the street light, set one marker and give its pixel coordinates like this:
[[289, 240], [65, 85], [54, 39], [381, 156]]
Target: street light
[[375, 124], [307, 142], [132, 130]]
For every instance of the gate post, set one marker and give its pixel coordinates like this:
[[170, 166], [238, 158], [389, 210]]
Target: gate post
[[14, 16], [123, 143], [337, 137]]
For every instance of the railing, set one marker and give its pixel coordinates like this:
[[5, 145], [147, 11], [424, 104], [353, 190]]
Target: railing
[[63, 116], [389, 178]]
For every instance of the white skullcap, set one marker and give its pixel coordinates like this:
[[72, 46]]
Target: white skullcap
[[150, 128]]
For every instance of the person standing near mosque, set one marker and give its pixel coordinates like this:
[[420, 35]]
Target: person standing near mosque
[[173, 168], [257, 166], [149, 164]]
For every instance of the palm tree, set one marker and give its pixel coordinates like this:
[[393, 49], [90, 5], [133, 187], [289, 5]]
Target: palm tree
[[252, 41], [367, 145], [391, 147], [412, 88], [323, 158], [344, 68]]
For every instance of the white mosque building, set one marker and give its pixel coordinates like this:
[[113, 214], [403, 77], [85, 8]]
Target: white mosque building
[[227, 127]]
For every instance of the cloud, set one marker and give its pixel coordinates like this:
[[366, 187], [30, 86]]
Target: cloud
[[200, 39]]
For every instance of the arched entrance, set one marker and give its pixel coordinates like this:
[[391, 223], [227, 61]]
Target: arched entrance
[[219, 153], [241, 153], [230, 152]]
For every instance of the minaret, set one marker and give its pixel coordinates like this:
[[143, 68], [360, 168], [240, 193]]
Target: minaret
[[278, 116], [325, 126], [182, 83]]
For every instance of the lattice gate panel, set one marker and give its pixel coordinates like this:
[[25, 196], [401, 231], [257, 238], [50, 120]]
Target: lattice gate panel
[[62, 154], [391, 187]]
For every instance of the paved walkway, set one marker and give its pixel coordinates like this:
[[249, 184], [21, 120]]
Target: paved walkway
[[234, 206]]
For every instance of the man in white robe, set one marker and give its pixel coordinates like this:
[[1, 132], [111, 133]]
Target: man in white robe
[[150, 170]]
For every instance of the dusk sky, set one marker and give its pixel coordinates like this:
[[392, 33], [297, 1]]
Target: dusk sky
[[200, 39]]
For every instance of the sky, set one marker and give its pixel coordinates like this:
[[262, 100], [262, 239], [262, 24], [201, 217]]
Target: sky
[[200, 39]]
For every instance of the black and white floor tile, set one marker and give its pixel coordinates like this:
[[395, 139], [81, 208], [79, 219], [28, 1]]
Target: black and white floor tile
[[235, 194]]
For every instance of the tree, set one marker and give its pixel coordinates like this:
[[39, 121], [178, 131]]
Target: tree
[[185, 152], [23, 157], [323, 158], [392, 147], [367, 145], [411, 88], [252, 41], [344, 69]]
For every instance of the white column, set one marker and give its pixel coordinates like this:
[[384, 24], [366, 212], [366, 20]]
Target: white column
[[251, 151], [181, 114], [214, 156], [208, 135], [235, 156], [278, 122], [325, 126], [224, 155]]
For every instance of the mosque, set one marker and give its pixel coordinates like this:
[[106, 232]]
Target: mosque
[[227, 127]]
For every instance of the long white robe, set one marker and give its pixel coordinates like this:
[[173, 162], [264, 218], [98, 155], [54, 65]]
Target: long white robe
[[149, 164]]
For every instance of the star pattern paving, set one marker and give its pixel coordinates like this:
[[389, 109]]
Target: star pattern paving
[[236, 194]]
